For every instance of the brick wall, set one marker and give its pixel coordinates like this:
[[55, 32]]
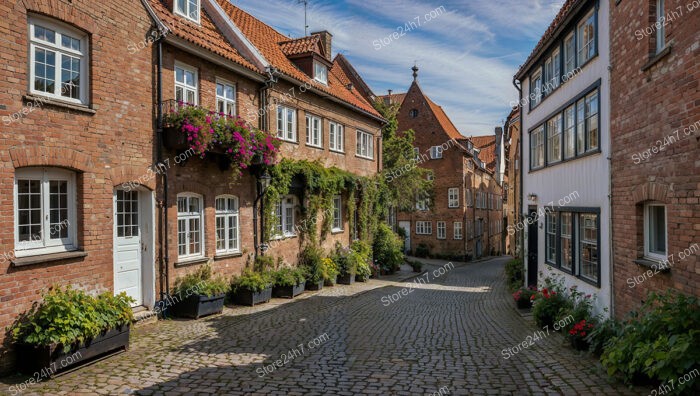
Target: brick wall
[[648, 106]]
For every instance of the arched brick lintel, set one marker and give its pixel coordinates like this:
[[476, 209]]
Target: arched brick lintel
[[63, 11], [651, 191], [50, 156]]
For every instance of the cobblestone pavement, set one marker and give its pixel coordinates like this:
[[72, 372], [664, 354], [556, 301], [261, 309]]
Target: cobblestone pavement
[[441, 337]]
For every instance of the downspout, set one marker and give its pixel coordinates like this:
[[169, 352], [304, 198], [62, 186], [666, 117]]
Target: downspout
[[519, 186], [163, 225]]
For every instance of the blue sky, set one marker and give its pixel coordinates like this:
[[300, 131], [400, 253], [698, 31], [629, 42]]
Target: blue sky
[[467, 51]]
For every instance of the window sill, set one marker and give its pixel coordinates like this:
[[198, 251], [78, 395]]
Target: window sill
[[46, 258], [288, 141], [364, 158], [337, 231], [336, 151], [314, 146], [656, 58], [191, 261], [45, 100], [222, 256], [283, 237], [653, 264]]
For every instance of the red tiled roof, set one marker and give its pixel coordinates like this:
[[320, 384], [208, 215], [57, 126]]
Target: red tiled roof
[[205, 35], [487, 147], [302, 45], [395, 97], [267, 40], [564, 13], [444, 120]]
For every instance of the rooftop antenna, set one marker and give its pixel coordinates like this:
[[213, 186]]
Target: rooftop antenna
[[306, 25]]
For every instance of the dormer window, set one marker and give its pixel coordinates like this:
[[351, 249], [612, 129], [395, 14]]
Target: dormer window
[[188, 9], [321, 72]]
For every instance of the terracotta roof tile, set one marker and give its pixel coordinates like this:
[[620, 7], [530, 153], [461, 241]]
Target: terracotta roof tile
[[302, 45], [395, 97], [444, 120], [487, 147]]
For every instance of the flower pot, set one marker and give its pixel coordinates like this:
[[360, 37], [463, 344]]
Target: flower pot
[[196, 306], [47, 360], [288, 291], [250, 298], [360, 278], [175, 139], [579, 344], [330, 282], [314, 286], [523, 303], [348, 279]]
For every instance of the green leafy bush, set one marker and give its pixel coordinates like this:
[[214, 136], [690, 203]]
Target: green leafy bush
[[422, 250], [251, 281], [660, 343], [602, 334], [549, 302], [329, 269], [345, 259], [310, 261], [286, 276], [264, 263], [579, 307], [364, 270], [201, 282], [514, 274], [387, 248], [67, 316]]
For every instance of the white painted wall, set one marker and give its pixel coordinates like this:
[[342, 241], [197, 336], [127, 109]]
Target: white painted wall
[[589, 176]]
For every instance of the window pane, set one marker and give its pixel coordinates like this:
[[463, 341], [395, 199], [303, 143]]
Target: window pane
[[657, 229], [181, 237], [580, 127], [551, 240], [569, 133], [588, 256], [45, 34], [567, 258]]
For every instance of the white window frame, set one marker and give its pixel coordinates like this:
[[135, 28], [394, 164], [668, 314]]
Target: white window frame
[[365, 145], [436, 152], [187, 13], [336, 137], [285, 212], [314, 131], [321, 72], [187, 216], [647, 232], [286, 127], [44, 245], [59, 51], [424, 228], [222, 99], [536, 92], [183, 84], [453, 197], [457, 230], [441, 230], [337, 214], [226, 214]]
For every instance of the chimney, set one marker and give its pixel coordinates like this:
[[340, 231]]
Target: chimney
[[326, 40]]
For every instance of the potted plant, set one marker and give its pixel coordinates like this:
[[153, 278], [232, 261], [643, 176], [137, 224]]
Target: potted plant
[[71, 326], [578, 333], [364, 271], [251, 288], [330, 271], [199, 294], [523, 297], [311, 263], [347, 260], [288, 282]]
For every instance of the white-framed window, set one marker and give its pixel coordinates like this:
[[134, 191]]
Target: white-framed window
[[453, 197], [569, 55], [365, 145], [58, 61], [536, 89], [227, 225], [336, 137], [424, 227], [225, 98], [457, 230], [284, 211], [287, 123], [186, 80], [190, 226], [337, 213], [551, 239], [537, 148], [314, 131], [441, 230], [655, 231], [552, 72], [660, 25], [188, 9], [554, 139], [436, 152], [586, 39], [45, 211], [321, 73]]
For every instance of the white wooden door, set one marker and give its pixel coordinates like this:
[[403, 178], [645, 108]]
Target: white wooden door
[[406, 225], [127, 238]]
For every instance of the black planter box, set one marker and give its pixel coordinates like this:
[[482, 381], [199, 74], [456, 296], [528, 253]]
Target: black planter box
[[48, 360], [197, 306], [314, 286], [175, 139], [523, 304], [361, 278], [331, 282], [346, 279], [288, 291], [247, 297]]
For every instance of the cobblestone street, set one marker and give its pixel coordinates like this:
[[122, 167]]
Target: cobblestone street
[[442, 336]]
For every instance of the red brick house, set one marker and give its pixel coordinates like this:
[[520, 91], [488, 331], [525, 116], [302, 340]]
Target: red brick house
[[655, 124], [461, 221], [511, 201]]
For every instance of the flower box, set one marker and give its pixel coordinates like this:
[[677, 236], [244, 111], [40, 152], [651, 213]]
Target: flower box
[[348, 279], [288, 291], [197, 306], [330, 282], [49, 359], [175, 139], [251, 298], [314, 286]]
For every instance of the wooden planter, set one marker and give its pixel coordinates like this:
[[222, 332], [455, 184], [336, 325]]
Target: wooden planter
[[331, 282], [361, 278], [197, 306], [348, 279], [288, 291], [314, 286], [251, 298], [33, 359]]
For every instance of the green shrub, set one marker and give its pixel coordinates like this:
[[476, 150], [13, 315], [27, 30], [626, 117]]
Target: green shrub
[[286, 276], [602, 334], [415, 264], [514, 274], [67, 316], [329, 269], [364, 270], [549, 302], [252, 281], [659, 343], [310, 261], [345, 259], [200, 282], [422, 250], [579, 307], [264, 264], [387, 248]]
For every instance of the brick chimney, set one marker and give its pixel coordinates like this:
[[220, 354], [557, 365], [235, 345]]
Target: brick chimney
[[326, 41]]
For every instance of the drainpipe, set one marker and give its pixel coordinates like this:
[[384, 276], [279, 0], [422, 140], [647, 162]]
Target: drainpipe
[[163, 225], [519, 186]]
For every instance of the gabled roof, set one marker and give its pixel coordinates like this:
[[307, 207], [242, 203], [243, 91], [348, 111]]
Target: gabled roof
[[444, 120], [303, 45], [564, 13], [487, 150]]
